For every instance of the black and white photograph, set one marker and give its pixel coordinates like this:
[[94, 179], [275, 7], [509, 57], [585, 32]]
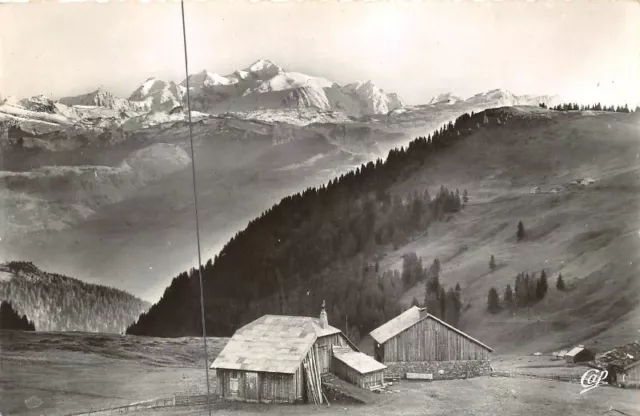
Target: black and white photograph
[[366, 208]]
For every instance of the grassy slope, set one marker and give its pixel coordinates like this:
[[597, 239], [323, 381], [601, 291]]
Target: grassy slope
[[74, 372], [589, 234]]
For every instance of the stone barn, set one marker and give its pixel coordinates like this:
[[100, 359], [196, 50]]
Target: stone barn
[[280, 359], [418, 342]]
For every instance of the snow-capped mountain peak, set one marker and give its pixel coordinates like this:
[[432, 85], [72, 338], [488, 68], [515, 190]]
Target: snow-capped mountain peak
[[264, 67], [447, 97], [207, 79], [160, 95]]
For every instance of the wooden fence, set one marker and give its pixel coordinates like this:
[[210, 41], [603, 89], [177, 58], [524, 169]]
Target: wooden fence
[[150, 404], [519, 374]]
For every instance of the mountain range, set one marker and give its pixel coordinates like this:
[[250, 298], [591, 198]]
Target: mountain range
[[99, 187]]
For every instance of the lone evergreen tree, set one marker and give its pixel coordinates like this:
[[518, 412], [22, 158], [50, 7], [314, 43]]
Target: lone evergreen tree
[[492, 263], [458, 288], [465, 197], [493, 301], [520, 233], [560, 283], [415, 302]]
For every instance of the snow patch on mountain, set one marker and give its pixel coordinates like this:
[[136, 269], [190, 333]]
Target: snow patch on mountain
[[160, 117], [207, 79]]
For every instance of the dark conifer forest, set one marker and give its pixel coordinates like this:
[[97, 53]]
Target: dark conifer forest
[[59, 303], [321, 244], [10, 319]]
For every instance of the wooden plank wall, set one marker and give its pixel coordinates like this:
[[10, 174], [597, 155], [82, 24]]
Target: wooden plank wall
[[366, 381], [632, 375], [271, 387], [429, 340], [325, 350]]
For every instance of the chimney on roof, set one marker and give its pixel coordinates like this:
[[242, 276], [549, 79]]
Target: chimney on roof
[[323, 317]]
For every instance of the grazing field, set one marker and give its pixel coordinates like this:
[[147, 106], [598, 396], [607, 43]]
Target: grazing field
[[589, 232], [483, 396], [63, 373]]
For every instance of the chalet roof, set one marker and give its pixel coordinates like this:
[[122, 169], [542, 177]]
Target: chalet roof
[[621, 358], [360, 362], [574, 351], [272, 343], [409, 318], [393, 327]]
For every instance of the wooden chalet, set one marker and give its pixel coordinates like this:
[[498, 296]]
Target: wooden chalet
[[622, 364], [415, 335], [281, 359], [579, 354], [631, 375]]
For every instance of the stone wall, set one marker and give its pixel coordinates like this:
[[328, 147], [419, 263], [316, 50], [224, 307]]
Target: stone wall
[[441, 370]]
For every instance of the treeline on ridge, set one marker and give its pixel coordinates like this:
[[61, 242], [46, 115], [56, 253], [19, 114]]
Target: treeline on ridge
[[592, 107], [317, 245], [56, 302]]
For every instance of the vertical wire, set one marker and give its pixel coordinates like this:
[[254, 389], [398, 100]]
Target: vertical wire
[[195, 198]]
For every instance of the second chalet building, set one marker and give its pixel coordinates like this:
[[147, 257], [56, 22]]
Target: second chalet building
[[279, 358], [416, 341]]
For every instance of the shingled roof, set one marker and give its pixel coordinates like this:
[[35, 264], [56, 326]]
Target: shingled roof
[[272, 343], [621, 357], [409, 318], [358, 361]]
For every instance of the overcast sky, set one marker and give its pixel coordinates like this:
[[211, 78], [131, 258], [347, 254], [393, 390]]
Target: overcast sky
[[580, 50]]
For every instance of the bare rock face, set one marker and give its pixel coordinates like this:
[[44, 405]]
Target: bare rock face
[[103, 98]]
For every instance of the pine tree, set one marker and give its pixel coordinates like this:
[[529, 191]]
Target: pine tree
[[508, 295], [492, 263], [415, 302], [493, 301], [432, 289], [542, 286], [560, 283], [532, 285], [442, 298], [465, 197], [453, 309], [458, 288], [520, 234], [522, 290]]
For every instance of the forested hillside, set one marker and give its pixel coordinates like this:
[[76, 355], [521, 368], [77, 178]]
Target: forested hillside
[[60, 303], [319, 244]]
